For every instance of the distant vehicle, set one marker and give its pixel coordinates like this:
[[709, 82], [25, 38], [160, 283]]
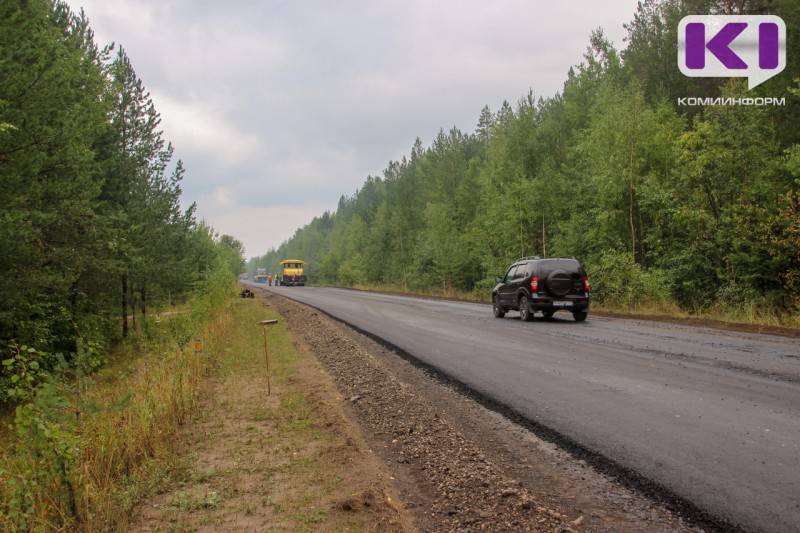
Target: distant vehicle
[[292, 273], [261, 275], [534, 284], [244, 277]]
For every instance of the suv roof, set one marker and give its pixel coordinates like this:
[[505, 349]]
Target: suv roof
[[537, 258]]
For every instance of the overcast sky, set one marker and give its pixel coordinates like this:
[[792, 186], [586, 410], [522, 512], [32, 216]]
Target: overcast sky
[[278, 108]]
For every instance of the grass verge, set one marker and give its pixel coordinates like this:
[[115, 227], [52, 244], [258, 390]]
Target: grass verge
[[254, 458], [83, 448], [168, 439]]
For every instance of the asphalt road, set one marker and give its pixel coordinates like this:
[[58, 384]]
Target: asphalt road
[[713, 416]]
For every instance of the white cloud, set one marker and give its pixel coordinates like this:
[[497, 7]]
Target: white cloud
[[222, 197], [276, 103], [200, 128], [262, 228]]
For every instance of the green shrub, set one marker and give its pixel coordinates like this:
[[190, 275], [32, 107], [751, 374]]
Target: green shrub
[[619, 281]]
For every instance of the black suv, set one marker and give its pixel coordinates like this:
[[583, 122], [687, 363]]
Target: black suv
[[547, 285]]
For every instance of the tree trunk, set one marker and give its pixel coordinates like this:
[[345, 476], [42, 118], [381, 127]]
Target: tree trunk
[[143, 293], [124, 305], [544, 238], [632, 220], [633, 224], [132, 302], [403, 259]]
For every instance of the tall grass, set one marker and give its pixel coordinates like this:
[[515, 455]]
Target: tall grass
[[87, 447]]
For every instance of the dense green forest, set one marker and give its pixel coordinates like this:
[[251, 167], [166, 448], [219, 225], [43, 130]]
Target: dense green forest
[[665, 203], [92, 233]]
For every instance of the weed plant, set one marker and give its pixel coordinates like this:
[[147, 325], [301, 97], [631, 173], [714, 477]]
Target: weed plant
[[85, 446]]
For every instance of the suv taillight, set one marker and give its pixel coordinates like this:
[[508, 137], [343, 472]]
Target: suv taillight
[[586, 284], [534, 284]]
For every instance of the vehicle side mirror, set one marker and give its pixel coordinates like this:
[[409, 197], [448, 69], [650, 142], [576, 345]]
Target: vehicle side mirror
[[498, 280]]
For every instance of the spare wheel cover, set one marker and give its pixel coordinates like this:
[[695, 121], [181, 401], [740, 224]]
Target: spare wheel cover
[[559, 283]]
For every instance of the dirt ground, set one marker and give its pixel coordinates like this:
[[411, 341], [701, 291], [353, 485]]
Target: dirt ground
[[409, 454]]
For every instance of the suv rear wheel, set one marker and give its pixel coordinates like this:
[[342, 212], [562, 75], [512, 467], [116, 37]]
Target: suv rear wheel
[[579, 316], [525, 309]]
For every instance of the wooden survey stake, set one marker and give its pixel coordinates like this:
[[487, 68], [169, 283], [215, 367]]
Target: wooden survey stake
[[266, 323]]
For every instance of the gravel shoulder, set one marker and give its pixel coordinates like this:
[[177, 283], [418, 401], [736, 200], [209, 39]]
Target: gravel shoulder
[[458, 466]]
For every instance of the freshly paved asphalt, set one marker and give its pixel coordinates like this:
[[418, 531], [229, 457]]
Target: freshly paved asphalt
[[712, 416]]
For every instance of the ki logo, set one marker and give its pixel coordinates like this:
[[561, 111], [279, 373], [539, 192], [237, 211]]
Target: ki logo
[[751, 46]]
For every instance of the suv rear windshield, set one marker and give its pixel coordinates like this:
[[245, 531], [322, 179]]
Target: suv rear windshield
[[549, 265]]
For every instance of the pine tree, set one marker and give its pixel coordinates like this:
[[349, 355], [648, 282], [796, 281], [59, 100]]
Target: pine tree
[[52, 107]]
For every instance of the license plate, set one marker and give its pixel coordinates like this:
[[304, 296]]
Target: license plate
[[562, 303]]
